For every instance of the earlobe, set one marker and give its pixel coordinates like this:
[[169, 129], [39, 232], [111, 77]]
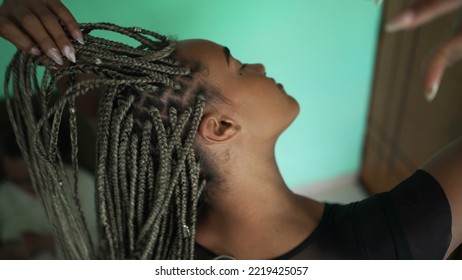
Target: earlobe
[[214, 129]]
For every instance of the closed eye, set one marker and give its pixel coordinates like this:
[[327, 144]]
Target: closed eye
[[243, 66]]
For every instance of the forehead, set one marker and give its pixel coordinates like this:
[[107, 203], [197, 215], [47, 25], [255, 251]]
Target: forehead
[[198, 50]]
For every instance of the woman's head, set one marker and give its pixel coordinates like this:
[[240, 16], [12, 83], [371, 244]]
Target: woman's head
[[252, 104], [152, 165]]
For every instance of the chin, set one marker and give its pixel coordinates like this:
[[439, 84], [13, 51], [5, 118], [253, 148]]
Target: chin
[[295, 109], [292, 114]]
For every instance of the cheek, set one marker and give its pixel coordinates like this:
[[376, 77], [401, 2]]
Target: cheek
[[257, 100]]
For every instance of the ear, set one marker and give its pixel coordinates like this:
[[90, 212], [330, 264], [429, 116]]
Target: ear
[[218, 129]]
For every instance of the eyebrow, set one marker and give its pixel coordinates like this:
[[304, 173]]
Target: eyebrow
[[227, 54]]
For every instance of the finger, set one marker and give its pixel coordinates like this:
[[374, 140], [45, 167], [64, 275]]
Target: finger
[[55, 30], [420, 13], [445, 57], [12, 33], [68, 19], [32, 25]]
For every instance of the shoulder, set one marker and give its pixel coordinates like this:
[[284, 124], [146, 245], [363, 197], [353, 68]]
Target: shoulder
[[398, 224], [422, 212]]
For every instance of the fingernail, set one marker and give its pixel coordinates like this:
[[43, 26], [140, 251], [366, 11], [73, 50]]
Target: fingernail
[[378, 2], [69, 53], [35, 51], [430, 94], [54, 54], [77, 34], [400, 22]]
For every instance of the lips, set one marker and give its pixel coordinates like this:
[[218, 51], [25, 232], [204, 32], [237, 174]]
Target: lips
[[280, 86]]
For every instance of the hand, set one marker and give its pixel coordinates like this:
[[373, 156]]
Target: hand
[[38, 242], [15, 251], [28, 247], [420, 13], [34, 26]]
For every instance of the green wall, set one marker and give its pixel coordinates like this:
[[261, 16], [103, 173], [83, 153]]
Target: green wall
[[321, 50]]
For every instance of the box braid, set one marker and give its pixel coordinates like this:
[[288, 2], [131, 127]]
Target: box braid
[[149, 175]]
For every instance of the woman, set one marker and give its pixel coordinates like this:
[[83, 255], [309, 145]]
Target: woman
[[209, 127]]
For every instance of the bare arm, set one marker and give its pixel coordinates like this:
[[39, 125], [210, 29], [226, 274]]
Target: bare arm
[[446, 167]]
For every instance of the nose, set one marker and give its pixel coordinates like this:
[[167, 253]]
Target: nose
[[260, 68]]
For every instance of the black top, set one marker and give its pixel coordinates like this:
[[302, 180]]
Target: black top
[[412, 221]]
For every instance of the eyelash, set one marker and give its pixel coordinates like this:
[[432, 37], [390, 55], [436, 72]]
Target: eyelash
[[243, 66]]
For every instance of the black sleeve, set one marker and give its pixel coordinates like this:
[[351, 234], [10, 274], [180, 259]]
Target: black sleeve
[[412, 221], [422, 215]]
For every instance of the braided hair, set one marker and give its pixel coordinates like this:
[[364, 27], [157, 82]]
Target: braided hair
[[148, 172]]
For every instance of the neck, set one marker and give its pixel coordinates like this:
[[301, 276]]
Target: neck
[[249, 178], [253, 205]]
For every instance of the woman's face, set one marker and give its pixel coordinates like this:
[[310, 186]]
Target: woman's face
[[257, 103]]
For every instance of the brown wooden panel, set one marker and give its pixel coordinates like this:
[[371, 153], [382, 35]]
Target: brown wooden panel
[[386, 52], [403, 128]]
